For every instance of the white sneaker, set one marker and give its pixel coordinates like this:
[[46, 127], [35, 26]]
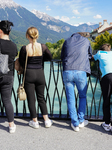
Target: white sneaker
[[107, 127], [83, 124], [12, 129], [75, 128], [48, 123], [34, 124]]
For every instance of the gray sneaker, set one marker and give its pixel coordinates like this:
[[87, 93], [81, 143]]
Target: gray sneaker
[[83, 124], [75, 128]]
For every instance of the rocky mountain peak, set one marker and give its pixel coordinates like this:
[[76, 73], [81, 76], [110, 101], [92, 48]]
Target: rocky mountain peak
[[43, 16], [8, 3]]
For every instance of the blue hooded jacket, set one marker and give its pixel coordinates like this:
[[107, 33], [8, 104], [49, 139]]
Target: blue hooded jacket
[[76, 52]]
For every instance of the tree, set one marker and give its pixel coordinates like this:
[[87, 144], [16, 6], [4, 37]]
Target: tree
[[55, 48], [106, 34], [49, 45], [110, 40], [92, 44], [102, 39]]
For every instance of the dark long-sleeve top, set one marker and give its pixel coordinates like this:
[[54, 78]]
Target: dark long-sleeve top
[[9, 48], [34, 62], [76, 52]]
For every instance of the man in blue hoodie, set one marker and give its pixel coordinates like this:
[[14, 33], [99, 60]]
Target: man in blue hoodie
[[75, 55]]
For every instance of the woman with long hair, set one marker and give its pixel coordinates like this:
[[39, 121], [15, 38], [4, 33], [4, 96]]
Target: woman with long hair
[[34, 78]]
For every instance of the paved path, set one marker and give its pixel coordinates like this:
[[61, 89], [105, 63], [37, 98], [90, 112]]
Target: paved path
[[59, 137]]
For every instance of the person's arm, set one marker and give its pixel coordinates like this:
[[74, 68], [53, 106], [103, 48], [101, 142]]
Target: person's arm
[[47, 56], [62, 51], [22, 56], [16, 51], [90, 51], [96, 56]]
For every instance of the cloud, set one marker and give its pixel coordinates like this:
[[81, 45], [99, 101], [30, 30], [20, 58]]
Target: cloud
[[97, 17], [76, 12], [77, 7], [87, 11], [88, 23], [65, 18], [57, 17], [47, 8], [73, 17], [68, 3], [78, 24], [62, 18], [71, 4]]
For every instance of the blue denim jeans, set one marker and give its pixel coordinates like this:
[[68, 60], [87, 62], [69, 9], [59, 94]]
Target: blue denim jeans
[[70, 79]]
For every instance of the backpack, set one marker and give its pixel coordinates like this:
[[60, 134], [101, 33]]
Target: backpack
[[3, 63]]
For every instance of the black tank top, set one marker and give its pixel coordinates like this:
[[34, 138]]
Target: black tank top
[[34, 62]]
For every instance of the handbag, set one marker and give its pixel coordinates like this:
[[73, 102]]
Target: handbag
[[4, 58], [21, 91]]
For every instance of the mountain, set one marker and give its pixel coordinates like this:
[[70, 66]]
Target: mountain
[[87, 28], [50, 29], [59, 26], [50, 22]]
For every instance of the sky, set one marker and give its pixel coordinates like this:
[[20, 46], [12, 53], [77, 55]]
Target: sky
[[74, 12]]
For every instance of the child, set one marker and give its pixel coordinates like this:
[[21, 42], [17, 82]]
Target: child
[[104, 55]]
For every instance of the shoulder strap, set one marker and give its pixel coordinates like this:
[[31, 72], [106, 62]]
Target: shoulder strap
[[25, 69], [41, 48]]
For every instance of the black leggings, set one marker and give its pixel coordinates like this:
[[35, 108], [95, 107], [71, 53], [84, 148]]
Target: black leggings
[[35, 82], [106, 86], [6, 83]]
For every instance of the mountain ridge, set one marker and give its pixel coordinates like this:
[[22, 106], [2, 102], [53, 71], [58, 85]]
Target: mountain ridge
[[50, 29]]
